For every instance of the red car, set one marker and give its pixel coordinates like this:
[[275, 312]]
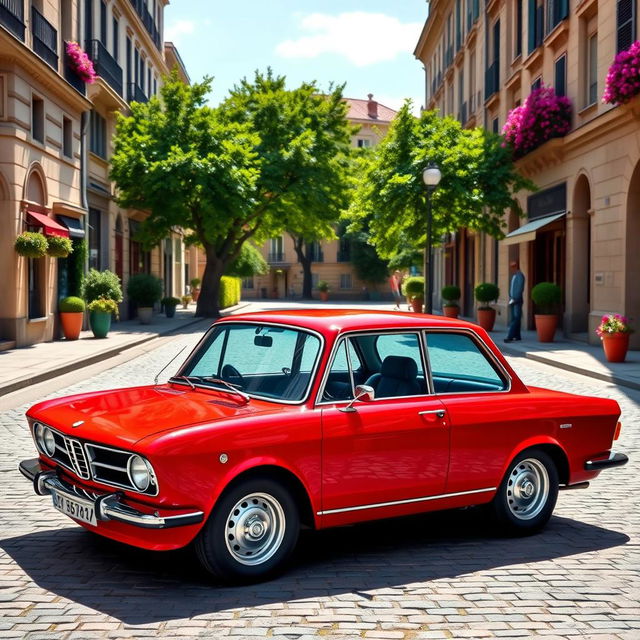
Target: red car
[[315, 419]]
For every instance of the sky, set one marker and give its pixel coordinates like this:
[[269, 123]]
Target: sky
[[367, 44]]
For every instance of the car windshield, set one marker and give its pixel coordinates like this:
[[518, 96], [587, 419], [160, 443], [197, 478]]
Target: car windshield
[[267, 361]]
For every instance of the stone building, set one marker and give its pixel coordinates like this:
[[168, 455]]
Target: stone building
[[581, 228]]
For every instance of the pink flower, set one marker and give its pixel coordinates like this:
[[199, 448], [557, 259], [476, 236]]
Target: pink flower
[[623, 78], [80, 62]]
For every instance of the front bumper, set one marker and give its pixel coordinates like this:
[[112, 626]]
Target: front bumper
[[614, 460], [107, 506]]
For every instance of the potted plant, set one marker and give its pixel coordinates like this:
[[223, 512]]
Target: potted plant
[[71, 316], [414, 291], [195, 288], [101, 284], [59, 247], [145, 290], [323, 288], [485, 293], [185, 301], [623, 78], [31, 244], [546, 296], [170, 303], [614, 331], [101, 311], [451, 295]]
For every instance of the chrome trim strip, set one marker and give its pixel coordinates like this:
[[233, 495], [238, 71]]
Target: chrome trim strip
[[233, 320], [394, 503]]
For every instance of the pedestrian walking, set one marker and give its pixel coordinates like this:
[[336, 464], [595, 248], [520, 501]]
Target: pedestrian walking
[[516, 298], [395, 282]]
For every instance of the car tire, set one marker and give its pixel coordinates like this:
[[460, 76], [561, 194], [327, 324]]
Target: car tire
[[251, 532], [527, 494]]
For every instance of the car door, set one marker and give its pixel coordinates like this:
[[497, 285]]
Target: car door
[[394, 449]]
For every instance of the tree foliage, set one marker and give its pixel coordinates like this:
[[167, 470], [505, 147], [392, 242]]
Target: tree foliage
[[478, 183], [248, 263]]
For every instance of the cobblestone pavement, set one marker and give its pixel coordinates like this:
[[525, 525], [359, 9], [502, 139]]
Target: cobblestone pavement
[[434, 576]]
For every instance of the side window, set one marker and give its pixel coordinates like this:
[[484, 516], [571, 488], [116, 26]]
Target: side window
[[401, 372], [459, 366], [338, 385]]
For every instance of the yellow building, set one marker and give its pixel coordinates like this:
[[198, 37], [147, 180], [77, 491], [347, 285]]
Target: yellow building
[[331, 261], [582, 227], [55, 144]]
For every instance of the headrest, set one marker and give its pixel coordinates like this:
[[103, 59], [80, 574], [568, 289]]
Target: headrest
[[399, 367]]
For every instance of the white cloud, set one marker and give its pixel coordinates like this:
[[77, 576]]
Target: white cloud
[[173, 32], [363, 38]]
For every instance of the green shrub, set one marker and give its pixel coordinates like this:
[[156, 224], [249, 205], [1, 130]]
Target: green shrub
[[59, 247], [144, 289], [414, 287], [101, 284], [229, 291], [323, 286], [486, 292], [195, 283], [170, 301], [103, 305], [546, 296], [71, 305], [451, 295], [31, 244]]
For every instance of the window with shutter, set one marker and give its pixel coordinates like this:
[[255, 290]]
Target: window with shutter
[[626, 19], [560, 80]]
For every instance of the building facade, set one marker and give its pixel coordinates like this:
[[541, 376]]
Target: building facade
[[55, 145], [332, 258], [580, 228]]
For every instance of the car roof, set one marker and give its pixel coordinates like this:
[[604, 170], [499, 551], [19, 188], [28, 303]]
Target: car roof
[[336, 321]]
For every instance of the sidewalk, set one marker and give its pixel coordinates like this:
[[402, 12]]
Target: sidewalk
[[25, 366]]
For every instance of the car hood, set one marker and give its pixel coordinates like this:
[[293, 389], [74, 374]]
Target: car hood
[[124, 416]]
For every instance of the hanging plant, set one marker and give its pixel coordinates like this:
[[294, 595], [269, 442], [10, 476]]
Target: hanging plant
[[80, 62], [542, 116], [59, 247], [623, 79], [31, 244]]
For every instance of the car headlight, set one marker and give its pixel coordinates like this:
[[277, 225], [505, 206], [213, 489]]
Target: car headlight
[[140, 472], [49, 442], [38, 433]]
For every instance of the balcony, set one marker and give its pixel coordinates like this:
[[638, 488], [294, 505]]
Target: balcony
[[135, 93], [45, 38], [105, 65], [148, 22], [73, 78], [276, 257], [491, 79], [12, 17]]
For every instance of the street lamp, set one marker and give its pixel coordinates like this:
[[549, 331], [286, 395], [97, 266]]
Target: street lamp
[[431, 176]]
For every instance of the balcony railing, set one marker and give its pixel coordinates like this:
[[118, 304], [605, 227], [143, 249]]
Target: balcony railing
[[136, 94], [45, 38], [73, 78], [105, 65], [12, 17], [491, 79], [147, 20], [276, 257]]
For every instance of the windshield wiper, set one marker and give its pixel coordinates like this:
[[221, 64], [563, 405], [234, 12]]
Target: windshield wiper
[[187, 379], [228, 385]]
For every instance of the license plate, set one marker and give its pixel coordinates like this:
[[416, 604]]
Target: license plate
[[77, 509]]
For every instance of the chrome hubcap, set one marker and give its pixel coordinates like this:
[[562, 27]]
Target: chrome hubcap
[[528, 489], [255, 528]]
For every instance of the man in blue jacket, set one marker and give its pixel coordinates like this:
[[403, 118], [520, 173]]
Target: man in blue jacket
[[516, 298]]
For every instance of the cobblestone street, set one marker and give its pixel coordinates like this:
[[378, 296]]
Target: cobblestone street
[[434, 576]]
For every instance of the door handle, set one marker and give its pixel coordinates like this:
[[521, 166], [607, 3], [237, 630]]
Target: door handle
[[438, 412]]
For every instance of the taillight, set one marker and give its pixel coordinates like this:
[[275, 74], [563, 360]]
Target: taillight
[[616, 433]]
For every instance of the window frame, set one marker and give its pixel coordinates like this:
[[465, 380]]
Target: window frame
[[591, 36]]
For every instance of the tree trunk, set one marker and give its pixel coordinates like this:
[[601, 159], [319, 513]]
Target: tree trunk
[[208, 305], [305, 260]]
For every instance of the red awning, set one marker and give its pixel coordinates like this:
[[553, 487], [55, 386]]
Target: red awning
[[50, 226]]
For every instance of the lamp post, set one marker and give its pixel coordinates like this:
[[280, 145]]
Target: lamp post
[[431, 176]]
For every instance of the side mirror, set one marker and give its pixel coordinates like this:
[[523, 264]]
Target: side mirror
[[364, 393]]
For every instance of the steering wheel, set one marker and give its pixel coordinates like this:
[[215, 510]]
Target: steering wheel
[[232, 375]]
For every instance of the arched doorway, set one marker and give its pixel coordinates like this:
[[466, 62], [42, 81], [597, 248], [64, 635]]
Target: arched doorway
[[35, 192], [632, 264], [579, 258]]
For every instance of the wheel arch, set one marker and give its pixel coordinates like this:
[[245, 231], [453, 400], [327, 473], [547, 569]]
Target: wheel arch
[[553, 450]]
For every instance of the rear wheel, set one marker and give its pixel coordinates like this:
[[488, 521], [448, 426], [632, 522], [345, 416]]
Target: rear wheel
[[251, 532], [528, 493]]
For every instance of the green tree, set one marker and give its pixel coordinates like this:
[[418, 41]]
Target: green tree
[[248, 263], [303, 145], [175, 158], [478, 183]]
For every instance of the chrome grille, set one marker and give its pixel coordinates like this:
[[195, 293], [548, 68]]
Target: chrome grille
[[77, 457]]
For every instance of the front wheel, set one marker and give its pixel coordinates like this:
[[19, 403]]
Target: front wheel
[[251, 532], [528, 493]]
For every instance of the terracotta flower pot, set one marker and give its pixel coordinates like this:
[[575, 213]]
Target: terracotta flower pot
[[546, 327], [451, 311], [487, 318], [324, 296], [195, 294], [71, 324], [615, 346], [416, 305]]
